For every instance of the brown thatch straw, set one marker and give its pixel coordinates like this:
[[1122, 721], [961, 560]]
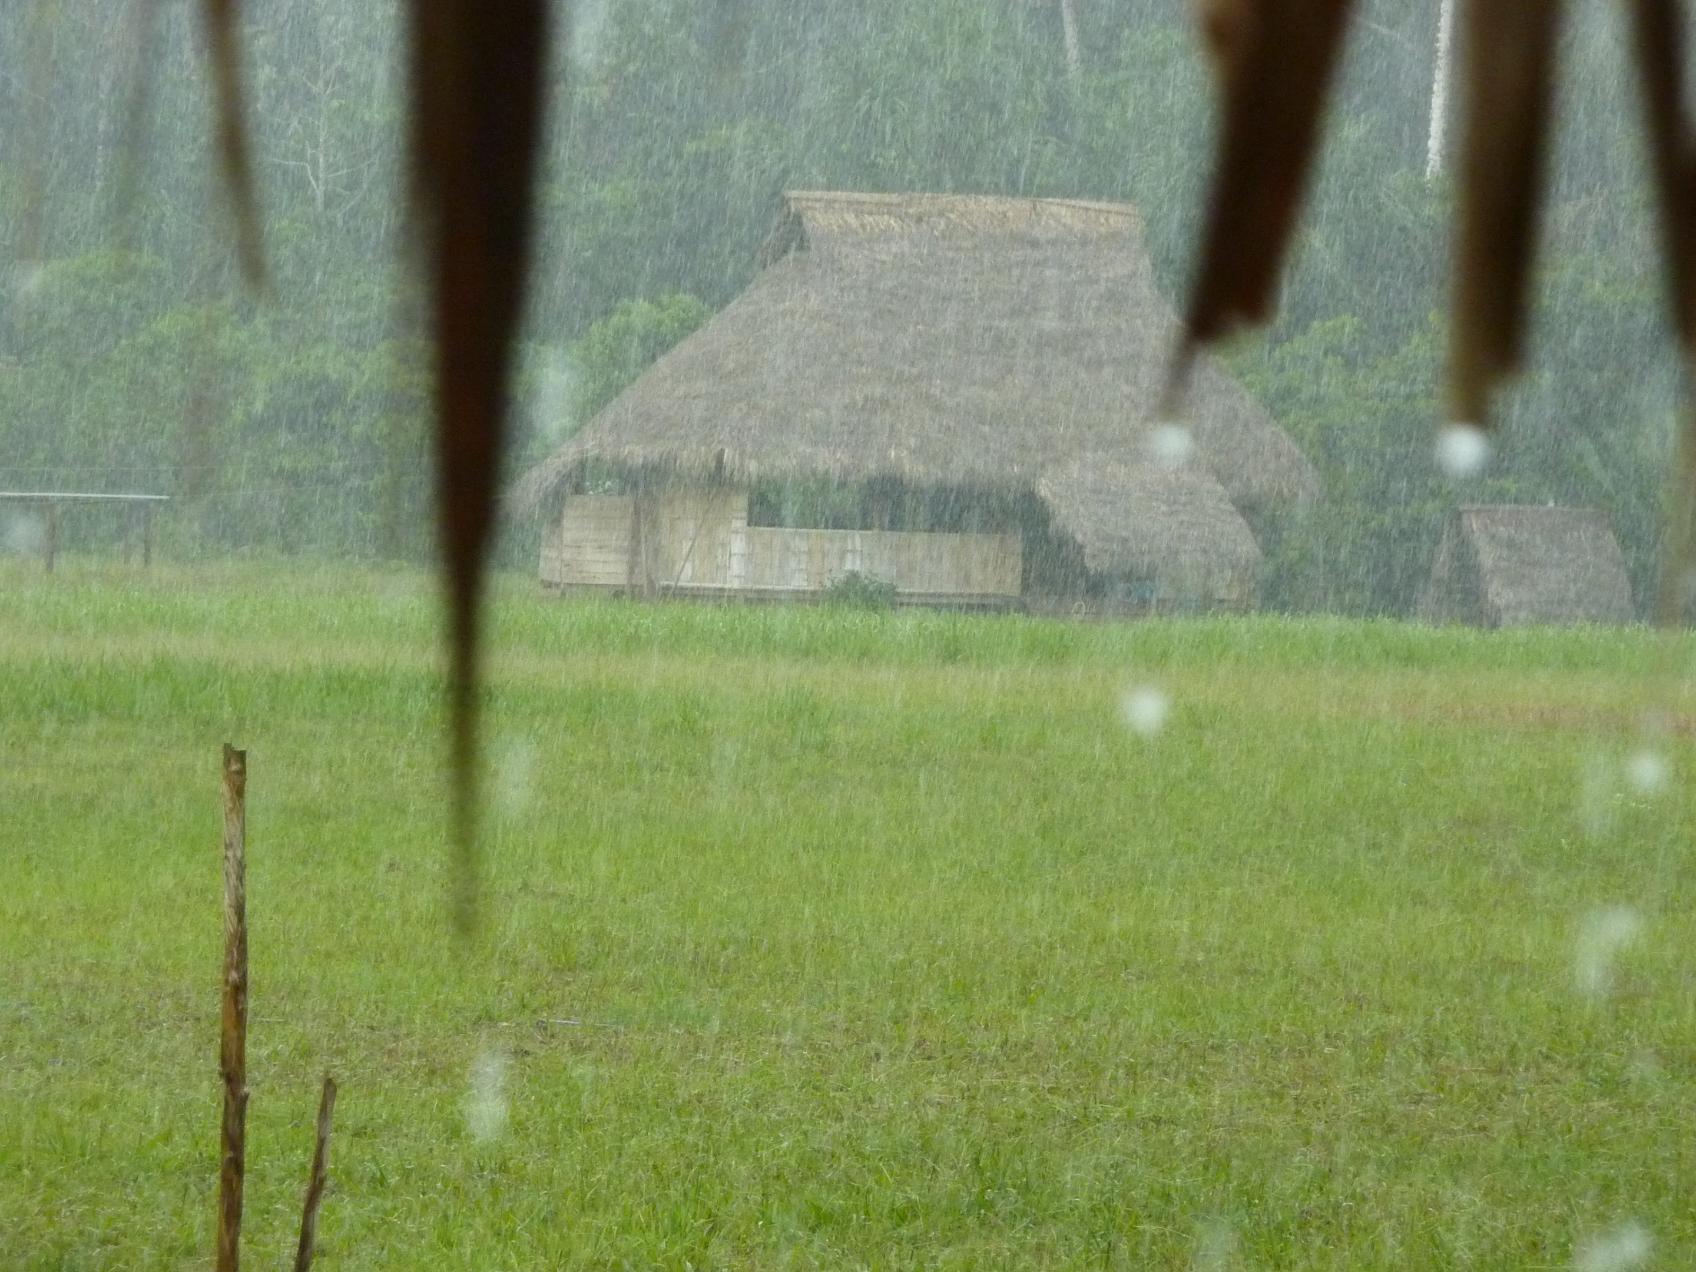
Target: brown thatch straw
[[967, 341], [1505, 565], [1181, 523]]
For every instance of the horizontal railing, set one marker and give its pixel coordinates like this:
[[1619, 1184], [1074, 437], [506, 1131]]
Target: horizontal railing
[[143, 506]]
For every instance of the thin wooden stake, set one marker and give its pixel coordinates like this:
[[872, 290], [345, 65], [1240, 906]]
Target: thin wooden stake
[[232, 1050], [320, 1176]]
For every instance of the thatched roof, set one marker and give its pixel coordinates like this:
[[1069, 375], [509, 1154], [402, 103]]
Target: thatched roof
[[1505, 565], [956, 340], [1184, 524]]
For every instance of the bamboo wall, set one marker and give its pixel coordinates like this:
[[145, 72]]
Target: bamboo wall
[[590, 545], [700, 541]]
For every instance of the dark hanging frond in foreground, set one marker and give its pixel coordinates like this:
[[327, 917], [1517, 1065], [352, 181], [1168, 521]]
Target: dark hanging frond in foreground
[[225, 52], [1658, 28], [1659, 34], [477, 90], [477, 103], [1275, 58], [1274, 61], [1510, 73]]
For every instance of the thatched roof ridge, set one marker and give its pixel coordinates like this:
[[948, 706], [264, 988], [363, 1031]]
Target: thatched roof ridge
[[1530, 564], [969, 341], [822, 213], [1183, 524]]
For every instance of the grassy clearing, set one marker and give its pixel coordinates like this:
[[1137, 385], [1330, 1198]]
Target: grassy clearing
[[841, 939]]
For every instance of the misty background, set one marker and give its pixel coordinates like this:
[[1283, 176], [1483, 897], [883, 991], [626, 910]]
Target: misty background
[[132, 358]]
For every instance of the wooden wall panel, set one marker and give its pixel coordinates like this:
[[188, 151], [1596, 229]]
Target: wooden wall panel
[[696, 530], [701, 539], [590, 546]]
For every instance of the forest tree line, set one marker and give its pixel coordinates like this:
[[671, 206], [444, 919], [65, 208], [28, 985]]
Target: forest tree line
[[131, 357]]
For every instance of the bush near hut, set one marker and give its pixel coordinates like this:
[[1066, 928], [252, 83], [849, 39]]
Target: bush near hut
[[853, 589]]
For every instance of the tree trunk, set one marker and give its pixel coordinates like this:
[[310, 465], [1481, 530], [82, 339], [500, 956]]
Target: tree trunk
[[1437, 138], [1069, 30]]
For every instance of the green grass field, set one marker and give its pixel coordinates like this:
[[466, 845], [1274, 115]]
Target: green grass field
[[832, 939]]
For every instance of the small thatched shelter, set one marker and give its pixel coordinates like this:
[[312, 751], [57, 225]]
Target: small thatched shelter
[[984, 371], [1172, 528], [1507, 565]]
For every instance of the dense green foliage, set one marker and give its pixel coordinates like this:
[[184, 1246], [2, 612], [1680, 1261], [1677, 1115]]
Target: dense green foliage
[[615, 350], [829, 938], [131, 359]]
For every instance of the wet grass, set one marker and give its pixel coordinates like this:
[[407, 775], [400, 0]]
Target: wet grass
[[839, 939]]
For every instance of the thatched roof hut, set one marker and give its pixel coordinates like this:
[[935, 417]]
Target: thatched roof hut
[[1182, 526], [1507, 565], [1016, 347]]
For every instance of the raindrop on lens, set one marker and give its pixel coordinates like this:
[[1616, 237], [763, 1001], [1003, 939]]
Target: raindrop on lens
[[515, 776], [485, 1105], [1215, 1247], [1605, 933], [554, 391], [25, 533], [1462, 451], [1645, 1066], [28, 278], [1648, 772], [1170, 445], [1596, 792], [1616, 1250], [1144, 710]]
